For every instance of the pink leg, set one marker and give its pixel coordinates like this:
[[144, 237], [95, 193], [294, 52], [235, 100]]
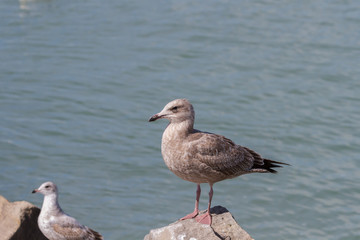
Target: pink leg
[[206, 217], [196, 210]]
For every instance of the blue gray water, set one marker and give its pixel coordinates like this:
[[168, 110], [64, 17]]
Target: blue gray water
[[79, 80]]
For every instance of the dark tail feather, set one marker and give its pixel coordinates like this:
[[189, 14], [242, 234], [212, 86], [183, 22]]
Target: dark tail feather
[[269, 165], [96, 235]]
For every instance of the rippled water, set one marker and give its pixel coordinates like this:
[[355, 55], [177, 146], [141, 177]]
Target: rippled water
[[79, 79]]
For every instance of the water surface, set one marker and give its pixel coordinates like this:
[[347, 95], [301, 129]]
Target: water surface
[[79, 79]]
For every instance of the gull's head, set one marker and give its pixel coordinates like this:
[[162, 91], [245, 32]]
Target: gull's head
[[46, 188], [178, 110]]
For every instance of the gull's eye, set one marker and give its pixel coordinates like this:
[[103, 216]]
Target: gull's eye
[[47, 186], [174, 109]]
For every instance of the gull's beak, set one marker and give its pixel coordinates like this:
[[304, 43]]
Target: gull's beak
[[35, 191], [155, 117]]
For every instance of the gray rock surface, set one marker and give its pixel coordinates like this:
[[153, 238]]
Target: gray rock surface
[[223, 227], [18, 221]]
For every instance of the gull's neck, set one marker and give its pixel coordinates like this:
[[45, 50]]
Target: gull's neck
[[179, 129], [51, 204]]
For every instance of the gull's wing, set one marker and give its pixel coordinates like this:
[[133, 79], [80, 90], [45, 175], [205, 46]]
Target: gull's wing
[[73, 230], [222, 154]]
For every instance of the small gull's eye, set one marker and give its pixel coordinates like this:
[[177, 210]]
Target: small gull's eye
[[174, 108], [47, 186]]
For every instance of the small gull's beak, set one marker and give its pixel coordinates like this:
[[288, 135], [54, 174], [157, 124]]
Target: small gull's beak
[[35, 191], [155, 117]]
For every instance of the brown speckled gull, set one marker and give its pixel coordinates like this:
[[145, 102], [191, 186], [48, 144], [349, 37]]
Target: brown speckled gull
[[203, 157], [57, 225]]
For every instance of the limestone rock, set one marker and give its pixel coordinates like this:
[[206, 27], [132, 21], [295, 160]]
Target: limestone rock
[[223, 227], [18, 221]]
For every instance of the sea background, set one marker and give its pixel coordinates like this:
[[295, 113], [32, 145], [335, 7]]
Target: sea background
[[80, 79]]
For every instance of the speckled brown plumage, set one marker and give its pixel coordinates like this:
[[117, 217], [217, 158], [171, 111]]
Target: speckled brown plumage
[[203, 157]]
